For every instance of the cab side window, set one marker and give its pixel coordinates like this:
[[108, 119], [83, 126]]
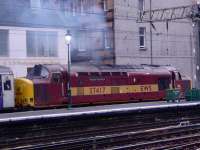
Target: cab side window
[[44, 73], [163, 83], [7, 85], [56, 78], [179, 76]]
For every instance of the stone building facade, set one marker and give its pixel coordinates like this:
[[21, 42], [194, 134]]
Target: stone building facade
[[173, 43], [103, 32], [32, 32]]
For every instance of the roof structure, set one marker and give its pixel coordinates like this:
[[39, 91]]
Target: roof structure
[[81, 68]]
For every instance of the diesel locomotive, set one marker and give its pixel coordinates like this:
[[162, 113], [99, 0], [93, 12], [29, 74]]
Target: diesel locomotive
[[46, 86]]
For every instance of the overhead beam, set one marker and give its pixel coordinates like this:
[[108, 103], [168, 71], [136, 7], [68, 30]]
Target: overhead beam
[[168, 14]]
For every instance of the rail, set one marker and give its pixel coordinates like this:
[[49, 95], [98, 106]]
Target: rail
[[101, 133]]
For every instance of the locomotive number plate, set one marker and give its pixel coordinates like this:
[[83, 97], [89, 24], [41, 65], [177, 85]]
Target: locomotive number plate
[[97, 90]]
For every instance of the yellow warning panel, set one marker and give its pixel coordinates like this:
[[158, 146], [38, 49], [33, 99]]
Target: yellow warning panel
[[24, 92]]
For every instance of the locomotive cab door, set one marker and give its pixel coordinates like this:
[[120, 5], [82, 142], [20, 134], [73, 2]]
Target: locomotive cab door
[[57, 87], [173, 79], [163, 84], [176, 77], [7, 90]]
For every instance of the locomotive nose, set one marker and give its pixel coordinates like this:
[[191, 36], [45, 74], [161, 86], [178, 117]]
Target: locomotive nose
[[24, 93]]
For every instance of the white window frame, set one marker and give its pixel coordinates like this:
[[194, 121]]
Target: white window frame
[[74, 8], [82, 7], [6, 44], [105, 5], [35, 4], [36, 43], [142, 36], [82, 39], [107, 36]]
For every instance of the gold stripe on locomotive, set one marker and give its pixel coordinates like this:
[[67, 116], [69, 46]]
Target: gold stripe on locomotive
[[103, 90]]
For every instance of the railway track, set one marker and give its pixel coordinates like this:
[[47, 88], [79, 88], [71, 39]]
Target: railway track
[[157, 139], [115, 132], [61, 133], [89, 138], [7, 131], [178, 139]]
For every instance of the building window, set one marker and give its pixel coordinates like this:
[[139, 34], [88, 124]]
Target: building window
[[74, 6], [82, 7], [49, 4], [105, 5], [141, 5], [108, 39], [3, 42], [82, 46], [85, 6], [25, 3], [35, 3], [41, 44], [66, 6], [142, 37]]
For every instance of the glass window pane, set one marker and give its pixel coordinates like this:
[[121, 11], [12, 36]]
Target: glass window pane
[[141, 30], [3, 42], [52, 43], [41, 44], [35, 3], [141, 5], [108, 39], [44, 73], [141, 41]]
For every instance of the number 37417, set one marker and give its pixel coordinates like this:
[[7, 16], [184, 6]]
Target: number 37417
[[97, 90]]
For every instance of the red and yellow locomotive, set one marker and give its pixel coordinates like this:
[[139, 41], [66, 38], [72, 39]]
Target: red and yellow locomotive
[[46, 85]]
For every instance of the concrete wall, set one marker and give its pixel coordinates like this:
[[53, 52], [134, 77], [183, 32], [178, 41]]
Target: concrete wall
[[174, 47], [18, 60]]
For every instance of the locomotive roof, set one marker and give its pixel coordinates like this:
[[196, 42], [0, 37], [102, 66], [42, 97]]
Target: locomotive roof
[[128, 69], [119, 68], [54, 67], [5, 70]]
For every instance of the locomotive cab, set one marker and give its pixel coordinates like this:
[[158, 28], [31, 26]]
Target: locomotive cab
[[180, 82], [49, 84], [45, 86]]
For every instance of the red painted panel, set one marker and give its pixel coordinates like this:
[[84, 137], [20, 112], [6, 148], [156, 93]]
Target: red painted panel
[[96, 99]]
